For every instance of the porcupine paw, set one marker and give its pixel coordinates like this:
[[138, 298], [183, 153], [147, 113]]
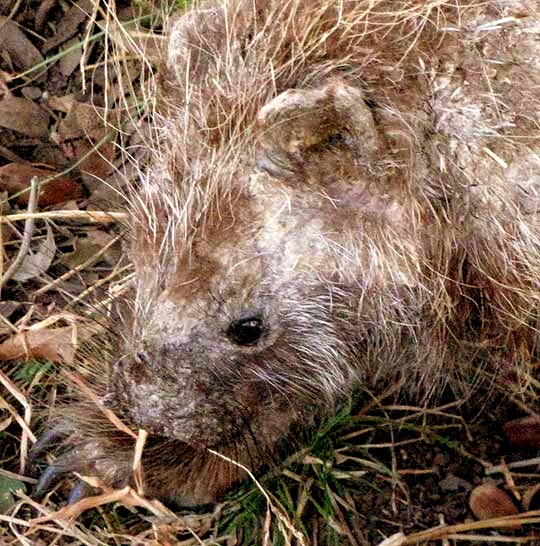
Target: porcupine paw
[[91, 457]]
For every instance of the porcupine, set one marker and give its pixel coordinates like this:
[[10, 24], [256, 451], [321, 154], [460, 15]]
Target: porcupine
[[340, 192]]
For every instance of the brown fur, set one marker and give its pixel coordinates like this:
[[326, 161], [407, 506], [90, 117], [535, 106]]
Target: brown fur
[[356, 180]]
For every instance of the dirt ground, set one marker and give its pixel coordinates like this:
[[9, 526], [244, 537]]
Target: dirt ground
[[72, 97]]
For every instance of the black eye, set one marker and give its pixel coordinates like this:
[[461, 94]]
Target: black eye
[[245, 331]]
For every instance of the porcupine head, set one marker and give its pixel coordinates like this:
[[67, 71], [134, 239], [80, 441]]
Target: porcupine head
[[266, 250]]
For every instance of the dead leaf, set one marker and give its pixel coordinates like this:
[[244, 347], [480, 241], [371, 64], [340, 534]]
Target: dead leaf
[[524, 432], [69, 25], [24, 116], [21, 51], [82, 120], [37, 263], [454, 483], [78, 134], [55, 344], [88, 247], [42, 13], [8, 307], [531, 498], [16, 177], [71, 58], [487, 501]]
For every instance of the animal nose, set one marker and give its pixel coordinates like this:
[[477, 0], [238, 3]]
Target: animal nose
[[154, 354]]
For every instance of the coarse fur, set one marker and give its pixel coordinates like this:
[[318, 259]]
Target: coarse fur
[[341, 193]]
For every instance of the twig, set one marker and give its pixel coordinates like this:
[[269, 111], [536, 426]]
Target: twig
[[27, 236], [516, 464], [89, 215]]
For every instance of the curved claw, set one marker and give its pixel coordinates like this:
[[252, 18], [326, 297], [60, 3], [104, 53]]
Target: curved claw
[[46, 479], [78, 492], [82, 452], [53, 471], [45, 440]]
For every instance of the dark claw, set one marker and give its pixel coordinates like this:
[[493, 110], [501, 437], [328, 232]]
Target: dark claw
[[79, 491], [49, 437], [45, 440], [46, 479], [55, 471]]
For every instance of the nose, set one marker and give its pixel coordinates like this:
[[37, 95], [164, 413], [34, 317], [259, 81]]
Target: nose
[[156, 353]]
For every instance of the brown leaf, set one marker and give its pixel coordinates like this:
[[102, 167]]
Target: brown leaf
[[82, 120], [24, 116], [56, 344], [8, 307], [69, 24], [78, 132], [88, 247], [487, 501], [524, 432], [21, 51], [531, 498], [42, 13], [71, 58], [16, 177]]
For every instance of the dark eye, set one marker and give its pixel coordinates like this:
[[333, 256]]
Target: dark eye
[[245, 331]]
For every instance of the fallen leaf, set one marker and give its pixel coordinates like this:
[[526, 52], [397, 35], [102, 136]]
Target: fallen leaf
[[524, 432], [55, 344], [78, 133], [82, 120], [24, 116], [16, 177], [88, 247], [21, 51], [42, 13], [69, 25], [531, 498], [487, 501], [35, 264], [454, 483], [8, 307], [71, 58]]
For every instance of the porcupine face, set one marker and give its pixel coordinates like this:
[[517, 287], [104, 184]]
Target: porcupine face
[[256, 317], [270, 241]]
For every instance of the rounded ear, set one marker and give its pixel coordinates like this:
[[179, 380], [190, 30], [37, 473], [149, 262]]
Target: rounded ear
[[299, 125], [194, 40]]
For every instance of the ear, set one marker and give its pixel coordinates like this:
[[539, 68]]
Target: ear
[[194, 40], [300, 126]]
